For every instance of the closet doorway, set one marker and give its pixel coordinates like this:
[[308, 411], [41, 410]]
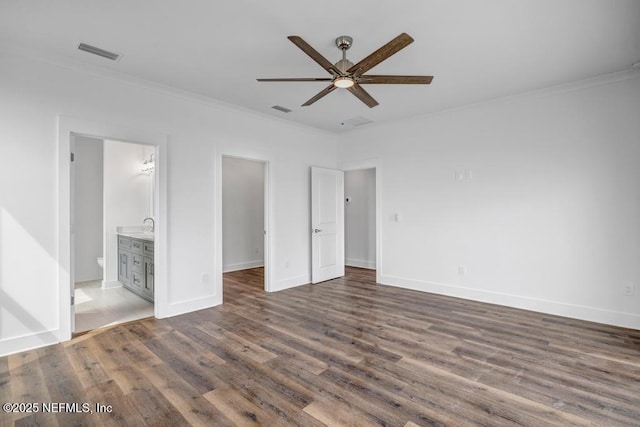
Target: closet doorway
[[360, 218], [244, 225]]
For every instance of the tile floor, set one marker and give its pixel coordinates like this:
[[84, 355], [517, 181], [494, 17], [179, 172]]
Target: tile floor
[[97, 307]]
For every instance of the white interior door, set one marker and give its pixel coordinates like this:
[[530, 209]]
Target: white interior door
[[327, 224]]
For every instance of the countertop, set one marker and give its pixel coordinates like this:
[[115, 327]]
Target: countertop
[[136, 231]]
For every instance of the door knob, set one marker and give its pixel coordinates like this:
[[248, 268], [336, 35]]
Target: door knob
[[316, 230]]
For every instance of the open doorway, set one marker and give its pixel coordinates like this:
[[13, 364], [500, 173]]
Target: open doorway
[[68, 129], [244, 221], [363, 246], [360, 218], [112, 246]]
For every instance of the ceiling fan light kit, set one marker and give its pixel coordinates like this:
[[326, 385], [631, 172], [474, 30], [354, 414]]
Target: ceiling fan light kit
[[343, 82], [346, 75]]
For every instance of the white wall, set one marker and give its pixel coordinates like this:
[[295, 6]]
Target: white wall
[[127, 195], [35, 93], [360, 218], [548, 218], [548, 222], [88, 181], [242, 214]]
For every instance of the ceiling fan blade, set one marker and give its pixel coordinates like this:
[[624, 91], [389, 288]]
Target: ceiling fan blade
[[320, 94], [395, 45], [362, 95], [301, 79], [315, 55], [407, 80]]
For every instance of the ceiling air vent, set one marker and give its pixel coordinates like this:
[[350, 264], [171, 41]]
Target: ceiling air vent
[[357, 121], [281, 108], [97, 51]]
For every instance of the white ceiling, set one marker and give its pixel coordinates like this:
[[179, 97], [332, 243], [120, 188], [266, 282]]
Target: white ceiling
[[476, 50]]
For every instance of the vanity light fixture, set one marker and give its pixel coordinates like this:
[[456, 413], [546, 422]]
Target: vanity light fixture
[[149, 165]]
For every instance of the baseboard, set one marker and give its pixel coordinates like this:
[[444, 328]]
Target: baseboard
[[242, 266], [28, 342], [361, 263], [109, 284], [187, 306], [291, 282], [592, 314]]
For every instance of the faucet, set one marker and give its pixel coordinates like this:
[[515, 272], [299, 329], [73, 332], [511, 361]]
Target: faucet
[[153, 223]]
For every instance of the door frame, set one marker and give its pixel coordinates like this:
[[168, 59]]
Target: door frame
[[68, 127], [353, 165], [267, 219]]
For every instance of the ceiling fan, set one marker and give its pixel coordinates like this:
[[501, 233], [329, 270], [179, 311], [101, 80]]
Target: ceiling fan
[[346, 75]]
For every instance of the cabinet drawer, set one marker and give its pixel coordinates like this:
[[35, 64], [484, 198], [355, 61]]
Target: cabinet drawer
[[136, 246], [137, 281], [147, 248], [137, 263], [124, 242]]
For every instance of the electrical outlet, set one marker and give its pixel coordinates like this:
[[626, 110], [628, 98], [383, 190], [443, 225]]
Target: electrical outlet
[[205, 278], [629, 289], [461, 270]]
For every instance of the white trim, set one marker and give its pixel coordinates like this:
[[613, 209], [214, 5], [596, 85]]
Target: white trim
[[360, 263], [28, 342], [242, 266], [40, 55], [592, 314], [69, 63], [291, 282], [190, 305], [110, 284], [561, 88], [67, 127], [376, 164]]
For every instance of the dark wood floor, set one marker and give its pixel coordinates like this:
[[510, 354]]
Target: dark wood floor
[[343, 352]]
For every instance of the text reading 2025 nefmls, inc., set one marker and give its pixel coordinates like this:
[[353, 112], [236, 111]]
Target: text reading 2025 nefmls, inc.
[[55, 407]]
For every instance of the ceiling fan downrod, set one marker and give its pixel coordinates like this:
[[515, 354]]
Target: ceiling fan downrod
[[344, 43]]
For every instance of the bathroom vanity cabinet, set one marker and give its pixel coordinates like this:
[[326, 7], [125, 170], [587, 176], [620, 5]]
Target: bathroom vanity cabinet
[[135, 265]]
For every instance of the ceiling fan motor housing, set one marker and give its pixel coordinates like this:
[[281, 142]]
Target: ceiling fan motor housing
[[343, 65]]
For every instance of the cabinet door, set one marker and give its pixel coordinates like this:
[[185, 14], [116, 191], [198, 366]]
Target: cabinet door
[[137, 281], [137, 263], [149, 274], [124, 267]]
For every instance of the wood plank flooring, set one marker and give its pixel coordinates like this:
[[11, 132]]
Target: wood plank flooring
[[343, 352]]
